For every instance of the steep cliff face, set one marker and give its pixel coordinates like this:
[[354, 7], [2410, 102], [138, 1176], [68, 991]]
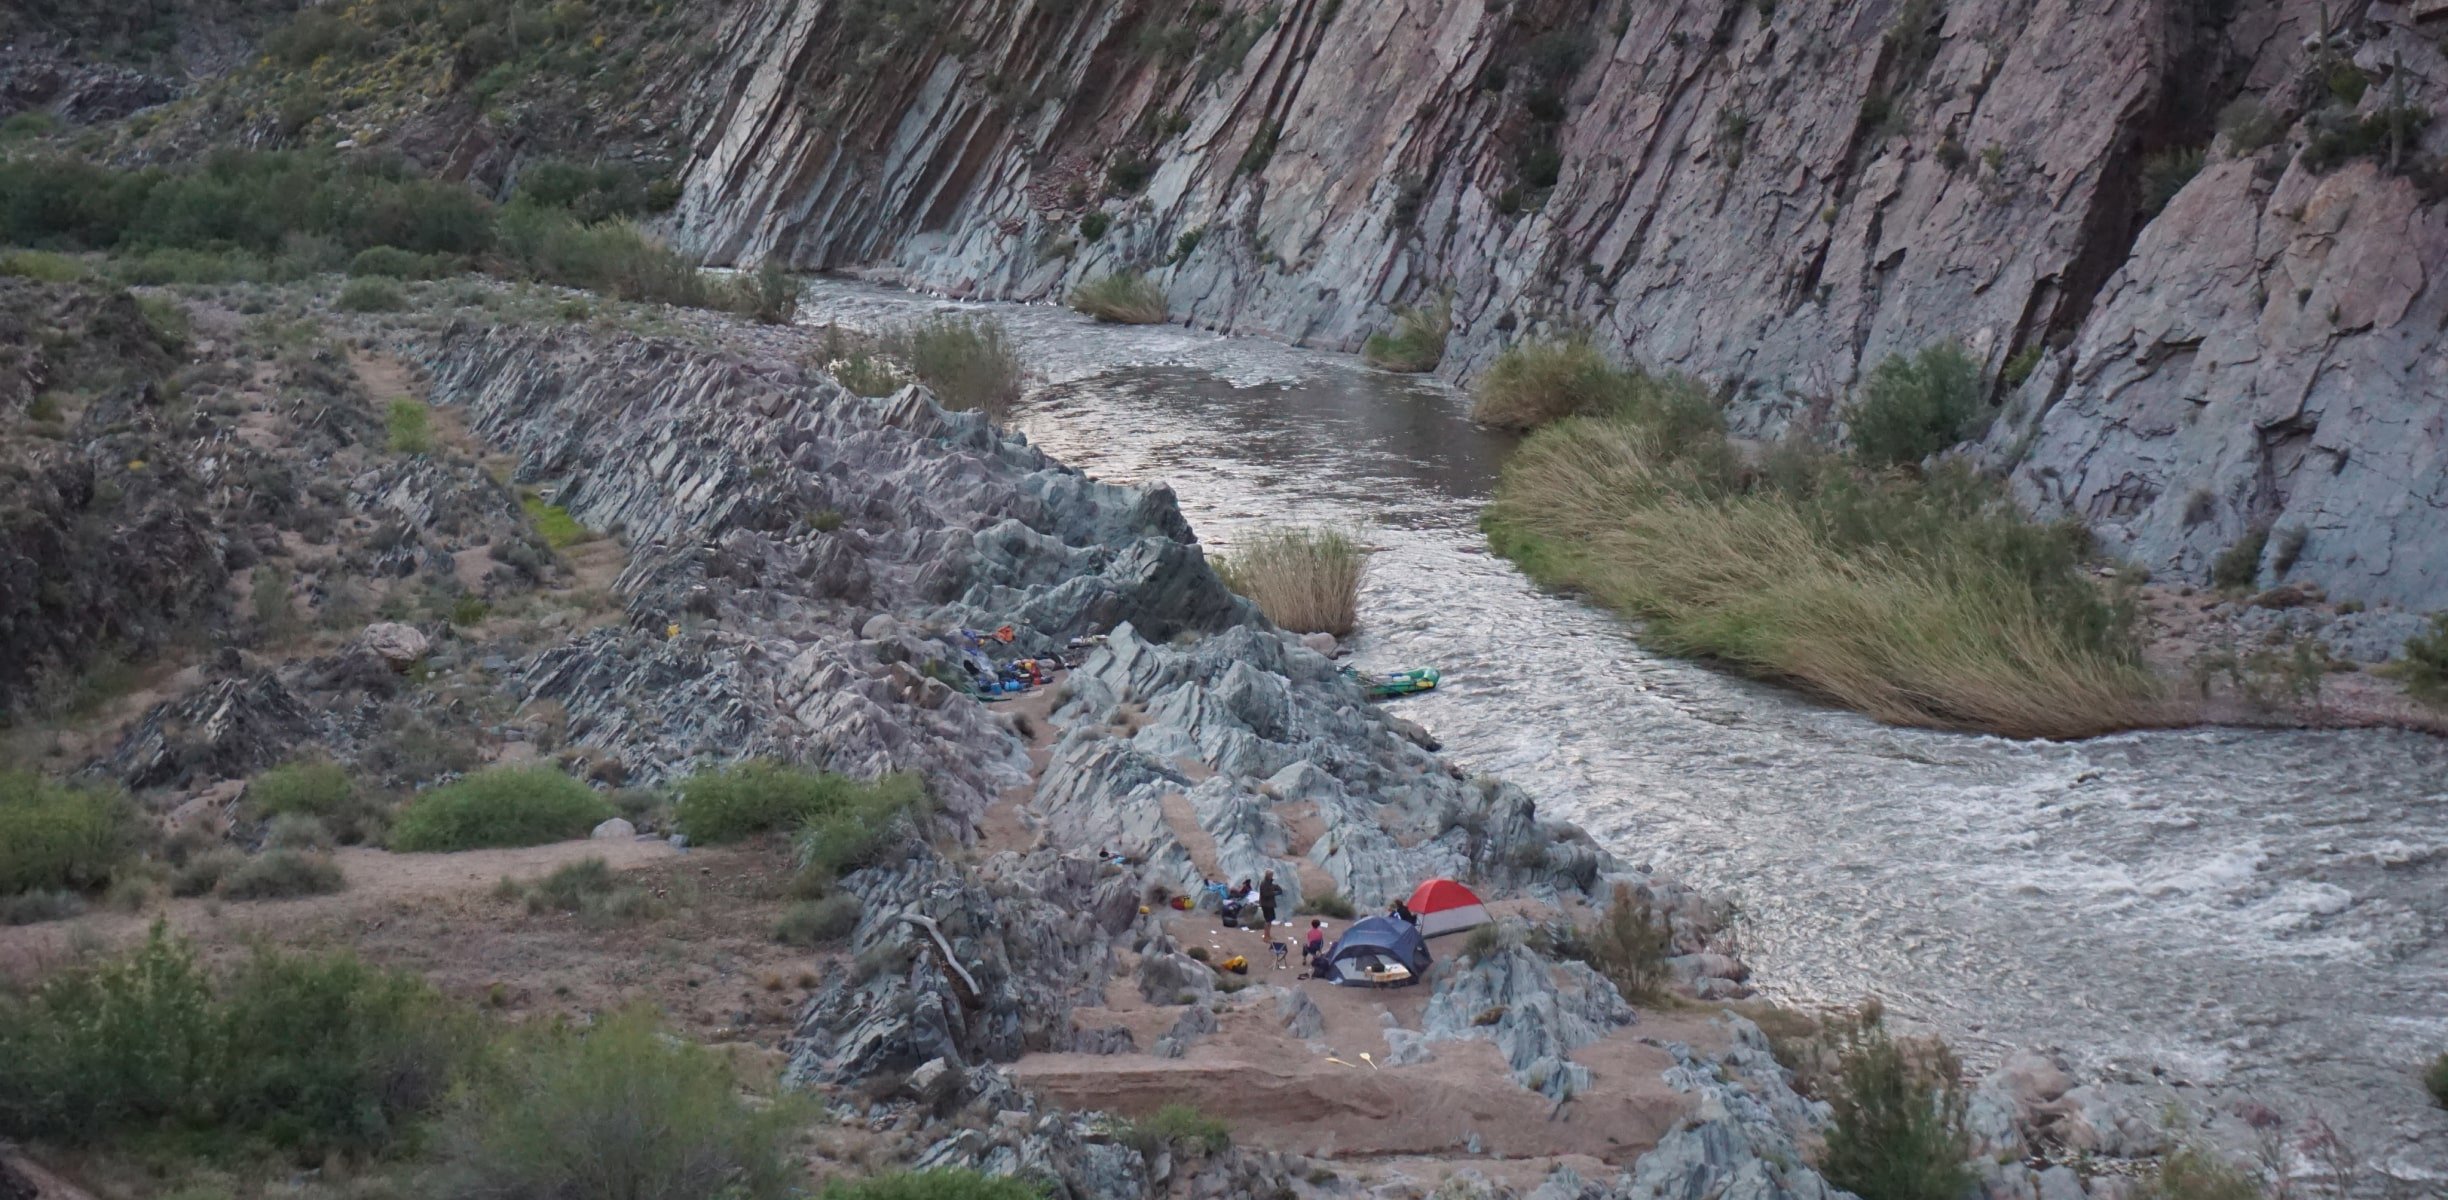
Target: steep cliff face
[[1773, 196]]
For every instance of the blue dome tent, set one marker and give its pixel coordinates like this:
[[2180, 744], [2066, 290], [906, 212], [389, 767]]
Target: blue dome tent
[[1376, 952]]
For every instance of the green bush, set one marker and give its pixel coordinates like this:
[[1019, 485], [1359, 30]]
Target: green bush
[[1538, 383], [743, 799], [769, 294], [297, 831], [202, 873], [1896, 1128], [410, 426], [504, 806], [281, 874], [2239, 565], [315, 789], [315, 1053], [968, 362], [553, 523], [370, 294], [1175, 1127], [616, 258], [616, 1110], [1418, 341], [940, 1184], [389, 262], [811, 923], [867, 375], [57, 836], [42, 266], [1123, 298], [1914, 406], [597, 192], [1092, 225], [2423, 665], [856, 834], [2435, 1080]]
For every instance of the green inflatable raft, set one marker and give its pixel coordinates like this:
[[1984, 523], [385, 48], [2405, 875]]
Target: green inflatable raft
[[1385, 685]]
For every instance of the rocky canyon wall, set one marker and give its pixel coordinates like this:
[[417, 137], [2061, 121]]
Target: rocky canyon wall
[[1773, 196]]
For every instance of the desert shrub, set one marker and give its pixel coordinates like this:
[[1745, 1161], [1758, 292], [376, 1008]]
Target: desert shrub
[[2423, 665], [968, 362], [857, 832], [618, 1109], [504, 806], [1327, 904], [1922, 601], [57, 836], [1896, 1128], [2390, 134], [553, 523], [281, 874], [2248, 124], [594, 192], [616, 258], [1418, 341], [1913, 406], [1304, 580], [589, 890], [369, 294], [2194, 1174], [2166, 173], [867, 375], [2021, 366], [1482, 942], [939, 1184], [1630, 946], [315, 1053], [2240, 564], [201, 874], [769, 294], [1128, 174], [33, 908], [1123, 298], [314, 789], [390, 262], [409, 425], [41, 266], [297, 831], [812, 923], [1175, 1127], [742, 799], [2435, 1080], [1092, 225]]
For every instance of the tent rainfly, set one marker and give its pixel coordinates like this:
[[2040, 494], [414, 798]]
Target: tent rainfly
[[1444, 906]]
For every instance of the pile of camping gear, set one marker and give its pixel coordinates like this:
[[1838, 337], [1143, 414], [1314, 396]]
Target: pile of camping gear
[[1386, 685], [993, 679]]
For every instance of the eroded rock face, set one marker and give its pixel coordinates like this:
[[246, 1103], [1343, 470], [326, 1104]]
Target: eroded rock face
[[1772, 197]]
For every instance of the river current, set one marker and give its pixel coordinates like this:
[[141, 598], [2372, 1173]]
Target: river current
[[2245, 915]]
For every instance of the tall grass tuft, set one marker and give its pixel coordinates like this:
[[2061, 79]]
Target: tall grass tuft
[[1304, 580], [1539, 383], [968, 362], [2423, 669], [1123, 298], [1418, 341], [504, 806], [618, 1109], [942, 1183], [2195, 1174], [1928, 602], [1177, 1128]]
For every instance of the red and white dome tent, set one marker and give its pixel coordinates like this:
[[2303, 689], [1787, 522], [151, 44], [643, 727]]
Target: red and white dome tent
[[1444, 906]]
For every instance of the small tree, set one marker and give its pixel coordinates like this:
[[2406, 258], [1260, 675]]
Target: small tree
[[1630, 945], [1914, 406]]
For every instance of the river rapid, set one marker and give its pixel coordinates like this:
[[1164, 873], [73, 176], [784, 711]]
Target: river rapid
[[2248, 916]]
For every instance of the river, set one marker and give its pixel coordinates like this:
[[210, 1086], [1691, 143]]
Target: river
[[2248, 915]]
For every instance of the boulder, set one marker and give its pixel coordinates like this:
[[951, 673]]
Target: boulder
[[400, 646], [614, 829]]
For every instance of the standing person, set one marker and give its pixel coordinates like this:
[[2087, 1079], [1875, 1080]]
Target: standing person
[[1268, 892]]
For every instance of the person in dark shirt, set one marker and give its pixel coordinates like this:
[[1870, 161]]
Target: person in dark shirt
[[1268, 892], [1402, 912]]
